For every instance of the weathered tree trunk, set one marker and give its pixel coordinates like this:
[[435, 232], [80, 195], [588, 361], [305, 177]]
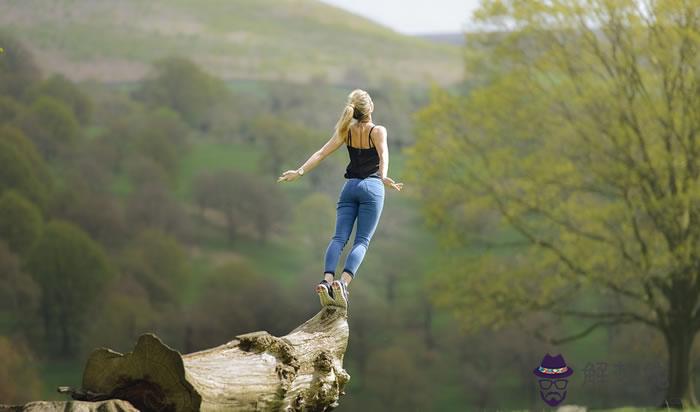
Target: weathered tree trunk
[[301, 371], [61, 406], [680, 392]]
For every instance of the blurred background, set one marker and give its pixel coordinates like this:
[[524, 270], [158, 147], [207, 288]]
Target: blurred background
[[140, 142]]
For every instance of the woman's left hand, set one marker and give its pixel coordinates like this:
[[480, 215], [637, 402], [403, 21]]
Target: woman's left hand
[[289, 176], [392, 184]]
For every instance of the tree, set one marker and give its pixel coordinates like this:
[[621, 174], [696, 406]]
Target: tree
[[160, 136], [88, 202], [181, 85], [18, 173], [151, 204], [19, 296], [285, 143], [234, 298], [245, 201], [571, 168], [302, 370], [28, 151], [10, 109], [52, 126], [20, 222], [61, 88], [125, 312], [19, 377], [72, 270], [159, 263], [18, 70]]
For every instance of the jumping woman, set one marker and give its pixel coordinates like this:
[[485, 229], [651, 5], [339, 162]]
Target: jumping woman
[[362, 194]]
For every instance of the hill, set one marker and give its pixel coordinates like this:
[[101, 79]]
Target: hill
[[456, 39], [292, 40]]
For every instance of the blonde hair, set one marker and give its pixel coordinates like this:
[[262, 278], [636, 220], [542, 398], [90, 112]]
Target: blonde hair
[[358, 107]]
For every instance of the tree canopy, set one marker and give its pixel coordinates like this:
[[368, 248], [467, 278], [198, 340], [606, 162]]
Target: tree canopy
[[571, 166]]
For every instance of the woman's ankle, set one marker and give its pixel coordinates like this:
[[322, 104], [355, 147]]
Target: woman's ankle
[[346, 278], [329, 277]]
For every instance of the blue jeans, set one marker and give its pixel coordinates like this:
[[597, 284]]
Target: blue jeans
[[361, 199]]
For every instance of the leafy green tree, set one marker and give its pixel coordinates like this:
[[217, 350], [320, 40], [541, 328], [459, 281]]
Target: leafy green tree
[[151, 204], [181, 85], [246, 201], [235, 298], [72, 270], [125, 313], [98, 213], [19, 297], [10, 109], [52, 126], [28, 151], [284, 143], [18, 70], [571, 168], [61, 88], [19, 374], [161, 136], [20, 222], [17, 173], [159, 263]]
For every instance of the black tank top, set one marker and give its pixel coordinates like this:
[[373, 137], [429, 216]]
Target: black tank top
[[363, 162]]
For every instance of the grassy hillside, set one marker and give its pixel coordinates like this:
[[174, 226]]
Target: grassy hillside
[[294, 40]]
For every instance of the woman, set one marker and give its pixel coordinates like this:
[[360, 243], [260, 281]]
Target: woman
[[362, 195]]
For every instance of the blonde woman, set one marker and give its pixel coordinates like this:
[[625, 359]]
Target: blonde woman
[[362, 195]]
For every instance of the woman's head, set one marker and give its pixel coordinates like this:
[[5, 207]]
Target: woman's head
[[357, 108]]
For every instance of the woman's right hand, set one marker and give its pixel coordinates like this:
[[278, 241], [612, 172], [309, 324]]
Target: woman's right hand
[[390, 182], [289, 176]]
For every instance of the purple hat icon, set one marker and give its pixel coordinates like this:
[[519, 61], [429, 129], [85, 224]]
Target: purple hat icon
[[553, 367]]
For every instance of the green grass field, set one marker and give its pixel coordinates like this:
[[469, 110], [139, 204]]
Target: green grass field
[[261, 39]]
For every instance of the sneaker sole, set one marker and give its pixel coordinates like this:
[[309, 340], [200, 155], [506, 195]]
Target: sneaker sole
[[341, 299], [323, 295]]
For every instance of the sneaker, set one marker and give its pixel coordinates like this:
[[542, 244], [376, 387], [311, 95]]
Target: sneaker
[[341, 293], [325, 293]]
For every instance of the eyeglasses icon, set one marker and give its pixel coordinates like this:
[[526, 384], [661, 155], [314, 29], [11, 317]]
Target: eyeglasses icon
[[558, 383]]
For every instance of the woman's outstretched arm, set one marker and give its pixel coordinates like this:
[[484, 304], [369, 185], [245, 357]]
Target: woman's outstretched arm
[[331, 145], [380, 142]]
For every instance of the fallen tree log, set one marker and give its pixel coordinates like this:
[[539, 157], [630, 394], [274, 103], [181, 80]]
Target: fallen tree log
[[61, 406], [301, 371]]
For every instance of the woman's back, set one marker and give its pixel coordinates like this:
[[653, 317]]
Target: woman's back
[[364, 158]]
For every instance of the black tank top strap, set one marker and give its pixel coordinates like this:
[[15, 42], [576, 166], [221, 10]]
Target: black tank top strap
[[369, 136], [349, 138]]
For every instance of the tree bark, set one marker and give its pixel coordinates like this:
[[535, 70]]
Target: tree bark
[[61, 406], [301, 371], [680, 392]]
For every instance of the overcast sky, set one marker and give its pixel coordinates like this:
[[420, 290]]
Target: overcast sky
[[414, 16]]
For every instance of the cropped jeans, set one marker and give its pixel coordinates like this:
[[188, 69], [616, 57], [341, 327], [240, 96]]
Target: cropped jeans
[[361, 199]]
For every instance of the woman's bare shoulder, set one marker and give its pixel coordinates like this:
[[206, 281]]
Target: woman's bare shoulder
[[380, 130]]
